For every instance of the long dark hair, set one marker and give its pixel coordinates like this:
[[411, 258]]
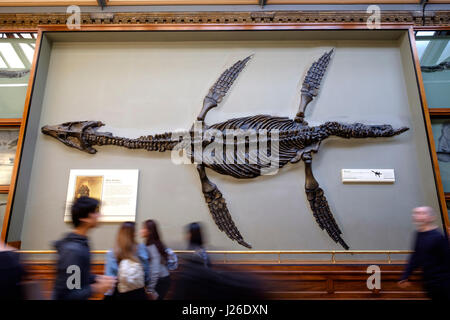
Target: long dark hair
[[153, 237], [194, 231]]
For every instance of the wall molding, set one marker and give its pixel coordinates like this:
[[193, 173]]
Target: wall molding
[[28, 20]]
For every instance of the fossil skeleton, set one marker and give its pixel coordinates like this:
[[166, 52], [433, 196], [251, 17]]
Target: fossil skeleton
[[445, 65], [13, 74], [296, 141]]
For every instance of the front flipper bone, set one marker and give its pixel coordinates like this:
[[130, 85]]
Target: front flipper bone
[[319, 205], [218, 209], [311, 84], [221, 87]]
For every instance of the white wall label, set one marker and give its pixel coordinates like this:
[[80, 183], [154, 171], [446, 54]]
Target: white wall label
[[117, 190], [368, 175]]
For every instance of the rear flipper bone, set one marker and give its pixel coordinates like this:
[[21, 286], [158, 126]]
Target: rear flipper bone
[[319, 205], [218, 208]]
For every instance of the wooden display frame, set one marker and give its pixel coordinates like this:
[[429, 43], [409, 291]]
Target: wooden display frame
[[216, 27], [17, 124], [428, 114], [193, 2]]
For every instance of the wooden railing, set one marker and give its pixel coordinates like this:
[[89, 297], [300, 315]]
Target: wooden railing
[[278, 253]]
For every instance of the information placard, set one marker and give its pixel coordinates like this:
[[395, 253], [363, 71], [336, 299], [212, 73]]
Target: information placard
[[368, 175], [116, 189]]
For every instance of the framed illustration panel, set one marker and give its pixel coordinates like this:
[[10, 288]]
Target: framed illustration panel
[[448, 212], [3, 201], [441, 135], [8, 146]]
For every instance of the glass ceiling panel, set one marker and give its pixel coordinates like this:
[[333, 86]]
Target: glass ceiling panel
[[16, 56], [434, 53]]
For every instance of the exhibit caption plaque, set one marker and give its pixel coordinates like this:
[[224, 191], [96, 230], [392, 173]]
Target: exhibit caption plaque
[[368, 175], [116, 189]]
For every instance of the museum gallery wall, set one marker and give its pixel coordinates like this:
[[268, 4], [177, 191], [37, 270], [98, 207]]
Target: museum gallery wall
[[150, 86]]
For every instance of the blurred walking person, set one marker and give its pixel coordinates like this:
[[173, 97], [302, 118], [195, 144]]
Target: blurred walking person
[[129, 262], [194, 236], [11, 274], [74, 280], [159, 273], [432, 254]]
